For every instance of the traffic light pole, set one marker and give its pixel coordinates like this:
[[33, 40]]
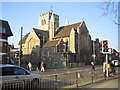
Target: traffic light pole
[[107, 73]]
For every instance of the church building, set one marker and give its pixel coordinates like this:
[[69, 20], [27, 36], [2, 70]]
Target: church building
[[58, 46]]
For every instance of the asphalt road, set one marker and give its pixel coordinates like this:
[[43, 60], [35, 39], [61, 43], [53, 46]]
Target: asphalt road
[[59, 71]]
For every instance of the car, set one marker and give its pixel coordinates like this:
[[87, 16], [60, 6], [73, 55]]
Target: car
[[116, 63], [13, 74]]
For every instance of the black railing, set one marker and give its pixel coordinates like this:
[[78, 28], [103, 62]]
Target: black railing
[[62, 80]]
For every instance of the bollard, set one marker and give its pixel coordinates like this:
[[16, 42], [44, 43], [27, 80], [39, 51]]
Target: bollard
[[56, 82], [76, 79], [92, 75]]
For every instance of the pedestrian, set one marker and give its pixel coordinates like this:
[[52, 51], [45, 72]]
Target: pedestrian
[[12, 61], [105, 69], [29, 66], [93, 66], [38, 66], [42, 66], [112, 67], [108, 69], [92, 70]]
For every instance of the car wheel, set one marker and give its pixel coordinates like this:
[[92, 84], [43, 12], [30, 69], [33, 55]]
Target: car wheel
[[35, 83]]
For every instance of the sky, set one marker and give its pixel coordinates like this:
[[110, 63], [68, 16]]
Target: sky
[[25, 14]]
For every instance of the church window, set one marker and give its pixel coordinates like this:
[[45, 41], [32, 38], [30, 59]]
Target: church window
[[43, 22], [31, 44], [58, 48]]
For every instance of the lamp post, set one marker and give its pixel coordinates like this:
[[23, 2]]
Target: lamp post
[[20, 53]]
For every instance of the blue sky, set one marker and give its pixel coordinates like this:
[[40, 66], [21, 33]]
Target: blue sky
[[26, 14]]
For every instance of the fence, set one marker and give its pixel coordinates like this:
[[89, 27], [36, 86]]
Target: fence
[[62, 80], [76, 78]]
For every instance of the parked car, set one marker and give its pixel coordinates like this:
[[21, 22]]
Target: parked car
[[12, 75], [116, 63]]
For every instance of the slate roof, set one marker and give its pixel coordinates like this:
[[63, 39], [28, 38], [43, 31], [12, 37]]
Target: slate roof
[[5, 24], [38, 33], [51, 43], [65, 30], [24, 39], [41, 33]]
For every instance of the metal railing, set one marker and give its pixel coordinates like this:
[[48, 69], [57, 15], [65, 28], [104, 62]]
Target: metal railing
[[62, 80]]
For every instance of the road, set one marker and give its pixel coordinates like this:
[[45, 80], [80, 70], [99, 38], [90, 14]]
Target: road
[[59, 71]]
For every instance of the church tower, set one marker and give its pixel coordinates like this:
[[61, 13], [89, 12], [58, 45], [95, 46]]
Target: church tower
[[44, 21], [52, 27]]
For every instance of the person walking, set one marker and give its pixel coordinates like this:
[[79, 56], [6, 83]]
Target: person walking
[[29, 66], [38, 66], [93, 66], [92, 70], [105, 69], [112, 67], [12, 61], [42, 66]]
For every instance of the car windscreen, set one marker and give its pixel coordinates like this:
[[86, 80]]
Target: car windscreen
[[7, 71]]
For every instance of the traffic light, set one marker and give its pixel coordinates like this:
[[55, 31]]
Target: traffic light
[[100, 46], [17, 54], [105, 45], [20, 53]]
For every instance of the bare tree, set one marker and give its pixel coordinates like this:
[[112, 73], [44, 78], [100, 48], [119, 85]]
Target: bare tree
[[111, 7]]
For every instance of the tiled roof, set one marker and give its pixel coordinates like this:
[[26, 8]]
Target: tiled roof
[[5, 24], [65, 30], [24, 39], [51, 43]]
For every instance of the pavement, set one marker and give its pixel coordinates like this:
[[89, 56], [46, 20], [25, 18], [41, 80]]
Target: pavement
[[112, 83]]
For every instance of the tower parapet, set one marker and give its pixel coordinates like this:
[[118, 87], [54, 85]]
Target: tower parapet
[[44, 21]]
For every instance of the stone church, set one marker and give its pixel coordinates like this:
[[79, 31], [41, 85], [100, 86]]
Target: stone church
[[58, 46]]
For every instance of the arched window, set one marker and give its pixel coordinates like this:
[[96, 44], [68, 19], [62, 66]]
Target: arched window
[[43, 22], [31, 44]]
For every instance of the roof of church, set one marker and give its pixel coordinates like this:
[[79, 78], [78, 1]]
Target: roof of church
[[41, 33], [65, 30], [24, 39], [38, 33], [51, 43]]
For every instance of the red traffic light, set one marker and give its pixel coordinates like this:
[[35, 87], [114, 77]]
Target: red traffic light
[[105, 42], [105, 46]]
